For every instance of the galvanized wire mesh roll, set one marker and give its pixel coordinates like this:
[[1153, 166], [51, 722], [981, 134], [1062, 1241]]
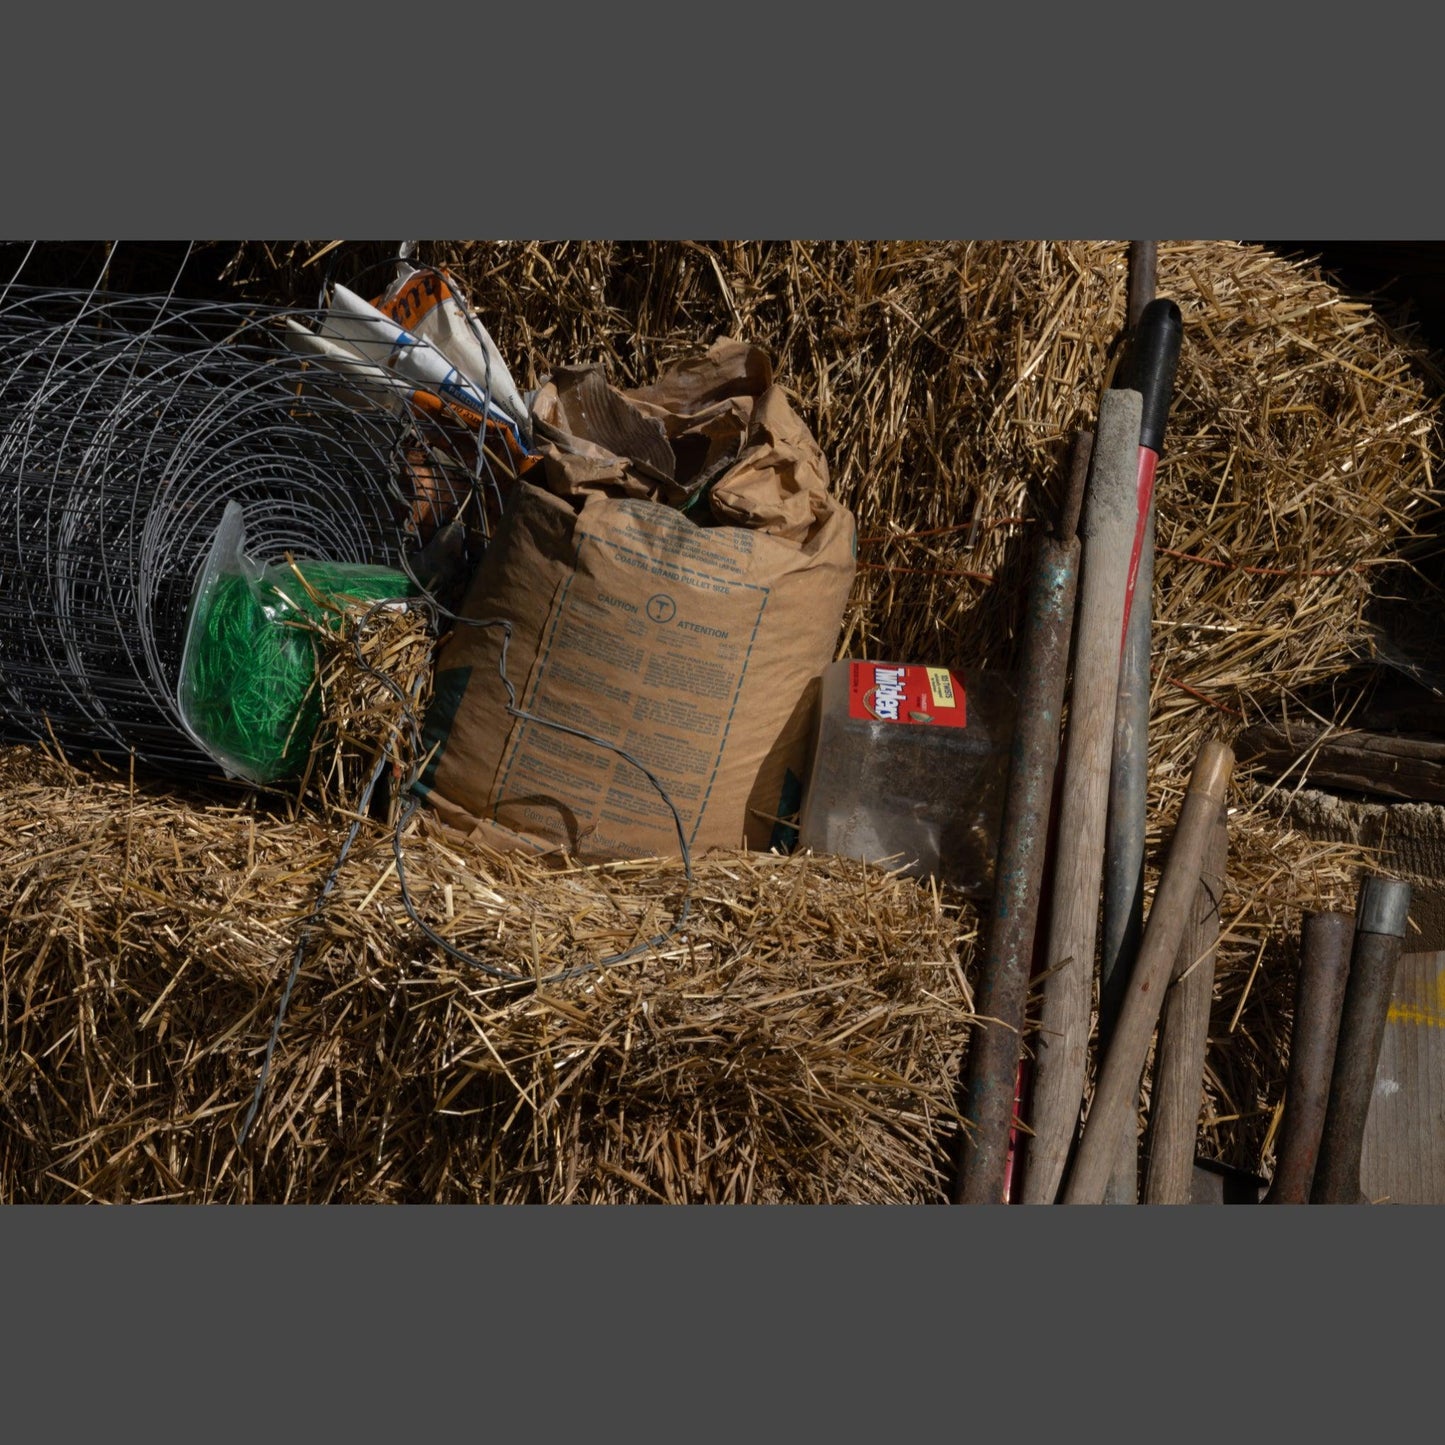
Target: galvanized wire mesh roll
[[126, 425]]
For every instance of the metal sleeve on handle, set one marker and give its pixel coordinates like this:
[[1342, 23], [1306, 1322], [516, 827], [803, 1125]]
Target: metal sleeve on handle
[[1382, 912], [1384, 906]]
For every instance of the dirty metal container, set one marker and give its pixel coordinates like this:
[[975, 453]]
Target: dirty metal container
[[909, 768]]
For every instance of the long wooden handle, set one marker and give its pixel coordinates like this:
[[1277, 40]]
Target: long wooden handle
[[992, 1062], [1117, 1092], [1124, 835], [1061, 1043], [1324, 965], [1380, 919], [1178, 1087], [1149, 368]]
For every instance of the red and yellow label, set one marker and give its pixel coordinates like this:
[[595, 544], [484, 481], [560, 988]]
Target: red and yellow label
[[905, 693]]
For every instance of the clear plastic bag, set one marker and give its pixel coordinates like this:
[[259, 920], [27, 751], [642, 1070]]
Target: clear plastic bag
[[248, 692]]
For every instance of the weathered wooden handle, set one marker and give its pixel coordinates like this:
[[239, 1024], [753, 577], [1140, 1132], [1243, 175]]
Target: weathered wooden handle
[[1380, 918], [1178, 1087], [1061, 1043], [1123, 917], [1117, 1091], [1324, 966], [1385, 764]]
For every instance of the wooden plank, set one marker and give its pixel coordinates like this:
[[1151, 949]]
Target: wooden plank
[[1385, 764], [1403, 1159]]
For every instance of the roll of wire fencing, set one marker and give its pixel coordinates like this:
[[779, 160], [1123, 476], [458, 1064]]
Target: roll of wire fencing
[[127, 425]]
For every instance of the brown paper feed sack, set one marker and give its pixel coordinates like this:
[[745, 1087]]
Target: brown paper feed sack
[[693, 646]]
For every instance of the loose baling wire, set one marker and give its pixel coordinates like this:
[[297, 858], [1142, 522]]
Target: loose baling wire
[[412, 723]]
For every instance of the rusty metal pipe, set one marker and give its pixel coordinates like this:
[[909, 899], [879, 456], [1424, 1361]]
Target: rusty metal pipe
[[992, 1063], [1143, 277], [1324, 966], [1381, 915]]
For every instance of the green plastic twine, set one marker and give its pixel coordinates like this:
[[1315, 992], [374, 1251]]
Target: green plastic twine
[[251, 676]]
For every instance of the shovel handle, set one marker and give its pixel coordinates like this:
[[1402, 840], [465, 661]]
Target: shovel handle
[[1118, 1088], [1178, 1088], [1062, 1040]]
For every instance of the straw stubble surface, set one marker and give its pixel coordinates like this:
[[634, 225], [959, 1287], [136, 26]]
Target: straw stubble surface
[[794, 1041], [943, 382]]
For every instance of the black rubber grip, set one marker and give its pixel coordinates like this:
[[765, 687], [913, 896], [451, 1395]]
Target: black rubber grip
[[1149, 367]]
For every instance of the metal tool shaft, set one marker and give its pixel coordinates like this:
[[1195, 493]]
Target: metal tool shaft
[[1324, 966], [991, 1067], [1381, 917]]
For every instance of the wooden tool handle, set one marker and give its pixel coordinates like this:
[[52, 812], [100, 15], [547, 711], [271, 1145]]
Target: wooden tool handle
[[1124, 836], [1177, 1091], [1380, 919], [1324, 965], [1118, 1087], [1061, 1043]]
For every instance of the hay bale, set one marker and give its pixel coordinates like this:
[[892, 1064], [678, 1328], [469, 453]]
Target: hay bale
[[796, 1040], [943, 382]]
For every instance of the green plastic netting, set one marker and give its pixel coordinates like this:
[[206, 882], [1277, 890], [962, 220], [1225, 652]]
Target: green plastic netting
[[249, 692]]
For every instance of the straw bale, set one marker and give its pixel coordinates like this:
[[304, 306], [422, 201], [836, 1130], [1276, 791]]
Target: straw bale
[[796, 1039], [943, 381]]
